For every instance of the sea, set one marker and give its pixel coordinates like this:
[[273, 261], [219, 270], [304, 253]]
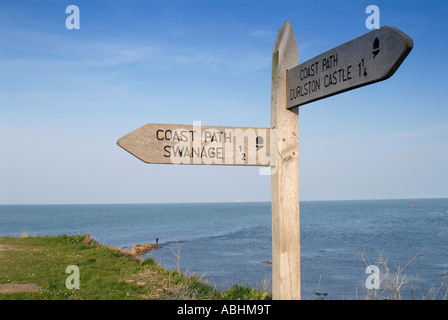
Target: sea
[[230, 243]]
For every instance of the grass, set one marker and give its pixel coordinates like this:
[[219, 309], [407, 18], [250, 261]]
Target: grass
[[393, 284], [105, 273]]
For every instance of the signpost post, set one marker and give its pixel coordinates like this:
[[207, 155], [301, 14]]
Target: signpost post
[[370, 58], [285, 173]]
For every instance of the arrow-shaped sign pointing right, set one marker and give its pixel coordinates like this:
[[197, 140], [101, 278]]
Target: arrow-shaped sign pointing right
[[370, 58]]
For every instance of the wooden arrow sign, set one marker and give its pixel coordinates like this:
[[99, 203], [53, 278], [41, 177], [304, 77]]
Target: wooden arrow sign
[[196, 144], [370, 58]]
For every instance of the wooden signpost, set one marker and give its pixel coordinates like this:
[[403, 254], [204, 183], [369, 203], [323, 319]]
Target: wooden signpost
[[370, 58], [197, 144]]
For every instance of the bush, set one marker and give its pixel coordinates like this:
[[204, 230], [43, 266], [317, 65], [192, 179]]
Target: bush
[[239, 292]]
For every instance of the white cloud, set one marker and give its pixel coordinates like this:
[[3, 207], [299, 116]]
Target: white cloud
[[435, 129], [262, 33]]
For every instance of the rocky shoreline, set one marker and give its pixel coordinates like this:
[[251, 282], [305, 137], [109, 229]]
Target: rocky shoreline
[[136, 251]]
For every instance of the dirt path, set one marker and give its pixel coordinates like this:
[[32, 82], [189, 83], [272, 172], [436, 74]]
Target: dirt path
[[5, 247], [16, 287]]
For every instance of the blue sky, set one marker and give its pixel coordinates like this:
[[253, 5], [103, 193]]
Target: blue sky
[[66, 96]]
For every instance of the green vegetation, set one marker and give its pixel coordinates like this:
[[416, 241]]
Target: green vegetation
[[106, 273], [240, 292]]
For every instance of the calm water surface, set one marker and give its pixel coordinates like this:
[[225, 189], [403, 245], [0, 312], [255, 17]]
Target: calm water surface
[[228, 242]]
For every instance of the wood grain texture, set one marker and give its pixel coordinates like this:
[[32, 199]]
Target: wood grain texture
[[285, 173], [370, 58], [197, 144]]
